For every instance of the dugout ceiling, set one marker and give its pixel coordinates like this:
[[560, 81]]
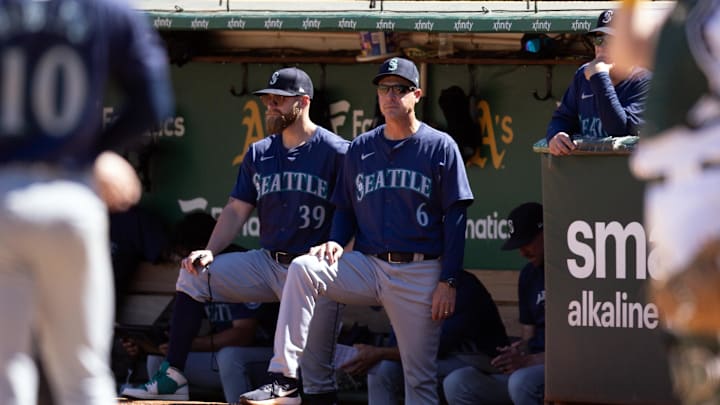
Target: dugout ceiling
[[454, 31]]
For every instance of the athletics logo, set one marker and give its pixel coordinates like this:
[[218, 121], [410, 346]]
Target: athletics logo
[[252, 120], [493, 138]]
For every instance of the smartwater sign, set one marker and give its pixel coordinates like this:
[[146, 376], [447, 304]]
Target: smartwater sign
[[604, 340]]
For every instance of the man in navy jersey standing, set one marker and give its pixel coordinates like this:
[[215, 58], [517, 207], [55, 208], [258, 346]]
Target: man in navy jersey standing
[[403, 194], [602, 100], [56, 57], [289, 178]]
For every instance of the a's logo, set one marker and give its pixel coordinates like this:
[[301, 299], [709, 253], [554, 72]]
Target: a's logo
[[584, 96], [393, 65], [366, 155], [274, 78], [253, 123], [488, 123], [264, 158]]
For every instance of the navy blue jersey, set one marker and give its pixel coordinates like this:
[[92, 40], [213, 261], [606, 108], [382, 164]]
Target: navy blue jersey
[[531, 302], [596, 109], [55, 59], [400, 191], [291, 189]]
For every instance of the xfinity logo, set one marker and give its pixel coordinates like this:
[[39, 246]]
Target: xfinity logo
[[421, 25], [236, 23], [311, 23], [383, 25], [273, 24], [199, 23], [543, 25], [502, 25], [343, 23], [580, 25], [463, 25], [162, 22]]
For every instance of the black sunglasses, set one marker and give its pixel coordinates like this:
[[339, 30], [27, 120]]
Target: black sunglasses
[[397, 89]]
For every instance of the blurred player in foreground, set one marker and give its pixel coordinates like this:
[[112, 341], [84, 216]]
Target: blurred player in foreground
[[680, 159], [55, 274]]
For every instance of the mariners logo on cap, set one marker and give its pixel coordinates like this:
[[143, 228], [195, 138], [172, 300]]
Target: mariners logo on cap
[[274, 78], [393, 65], [606, 17], [288, 82]]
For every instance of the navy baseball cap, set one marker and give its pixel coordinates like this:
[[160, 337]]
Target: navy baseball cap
[[603, 23], [399, 67], [525, 222], [288, 82]]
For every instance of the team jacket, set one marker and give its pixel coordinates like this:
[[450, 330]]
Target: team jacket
[[596, 109]]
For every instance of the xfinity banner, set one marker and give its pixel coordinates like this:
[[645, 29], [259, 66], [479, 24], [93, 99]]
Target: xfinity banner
[[604, 340]]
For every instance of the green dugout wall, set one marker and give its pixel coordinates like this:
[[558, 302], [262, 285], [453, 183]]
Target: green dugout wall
[[603, 340], [192, 160]]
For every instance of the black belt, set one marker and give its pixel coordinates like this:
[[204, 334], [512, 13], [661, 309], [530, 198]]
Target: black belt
[[283, 257], [403, 257]]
